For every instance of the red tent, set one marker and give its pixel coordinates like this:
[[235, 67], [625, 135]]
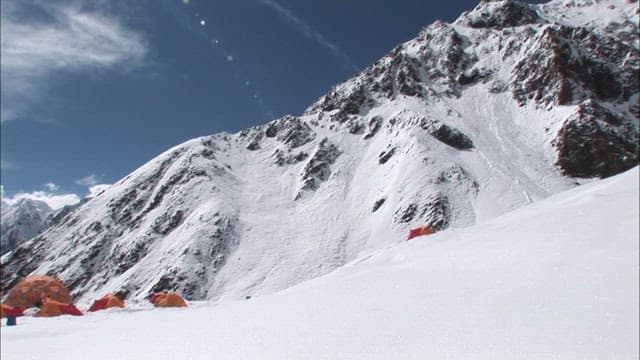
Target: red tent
[[108, 301], [163, 299], [8, 310], [423, 230], [55, 308]]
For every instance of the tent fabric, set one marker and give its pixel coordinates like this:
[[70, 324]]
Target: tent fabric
[[52, 307], [30, 291], [8, 310], [423, 230], [163, 299], [107, 301]]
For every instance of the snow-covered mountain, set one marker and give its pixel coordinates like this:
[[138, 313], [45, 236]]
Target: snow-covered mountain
[[507, 105], [551, 280], [21, 221]]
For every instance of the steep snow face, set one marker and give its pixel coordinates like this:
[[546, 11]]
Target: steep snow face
[[551, 280], [21, 221], [461, 124]]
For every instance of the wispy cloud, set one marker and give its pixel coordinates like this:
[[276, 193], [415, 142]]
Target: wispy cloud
[[51, 186], [94, 185], [40, 38], [89, 181], [53, 199], [304, 28]]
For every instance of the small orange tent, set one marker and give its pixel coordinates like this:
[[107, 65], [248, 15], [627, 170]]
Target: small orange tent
[[107, 301], [30, 291], [7, 310], [163, 299], [422, 230], [52, 307]]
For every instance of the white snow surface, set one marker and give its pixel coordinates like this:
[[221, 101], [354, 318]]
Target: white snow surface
[[557, 279]]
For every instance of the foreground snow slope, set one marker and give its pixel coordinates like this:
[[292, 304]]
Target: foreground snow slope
[[557, 279]]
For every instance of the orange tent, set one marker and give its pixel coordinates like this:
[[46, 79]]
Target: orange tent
[[107, 301], [163, 299], [30, 291], [7, 310], [52, 307], [423, 230]]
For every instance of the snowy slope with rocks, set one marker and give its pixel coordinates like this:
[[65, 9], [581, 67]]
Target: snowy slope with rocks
[[21, 221], [557, 279], [468, 121]]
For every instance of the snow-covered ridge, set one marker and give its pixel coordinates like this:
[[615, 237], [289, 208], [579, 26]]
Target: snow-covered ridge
[[466, 122]]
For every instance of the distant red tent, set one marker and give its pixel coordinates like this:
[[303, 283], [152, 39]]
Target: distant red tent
[[108, 301], [423, 230]]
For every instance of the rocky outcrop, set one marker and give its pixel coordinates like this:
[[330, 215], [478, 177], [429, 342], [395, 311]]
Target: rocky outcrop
[[446, 134], [596, 142], [290, 131], [318, 168], [436, 212], [571, 65], [499, 14]]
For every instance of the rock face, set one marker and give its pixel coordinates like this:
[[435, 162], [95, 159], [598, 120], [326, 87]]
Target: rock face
[[467, 121], [596, 141]]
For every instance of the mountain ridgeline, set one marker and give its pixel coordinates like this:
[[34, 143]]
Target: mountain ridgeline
[[510, 103]]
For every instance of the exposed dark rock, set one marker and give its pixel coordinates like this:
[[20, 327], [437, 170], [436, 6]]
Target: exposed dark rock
[[166, 283], [405, 215], [296, 134], [281, 158], [446, 134], [386, 155], [125, 258], [594, 142], [378, 204], [401, 76], [167, 223], [318, 168], [21, 262], [291, 131], [272, 129], [254, 144], [452, 137], [348, 101], [436, 212], [571, 65]]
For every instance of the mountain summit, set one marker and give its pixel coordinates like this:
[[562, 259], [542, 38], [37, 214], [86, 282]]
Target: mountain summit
[[507, 105]]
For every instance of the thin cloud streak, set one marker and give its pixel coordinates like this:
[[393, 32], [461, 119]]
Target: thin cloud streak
[[72, 40], [88, 181], [310, 33]]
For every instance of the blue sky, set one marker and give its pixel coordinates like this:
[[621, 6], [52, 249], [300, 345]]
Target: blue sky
[[91, 90]]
